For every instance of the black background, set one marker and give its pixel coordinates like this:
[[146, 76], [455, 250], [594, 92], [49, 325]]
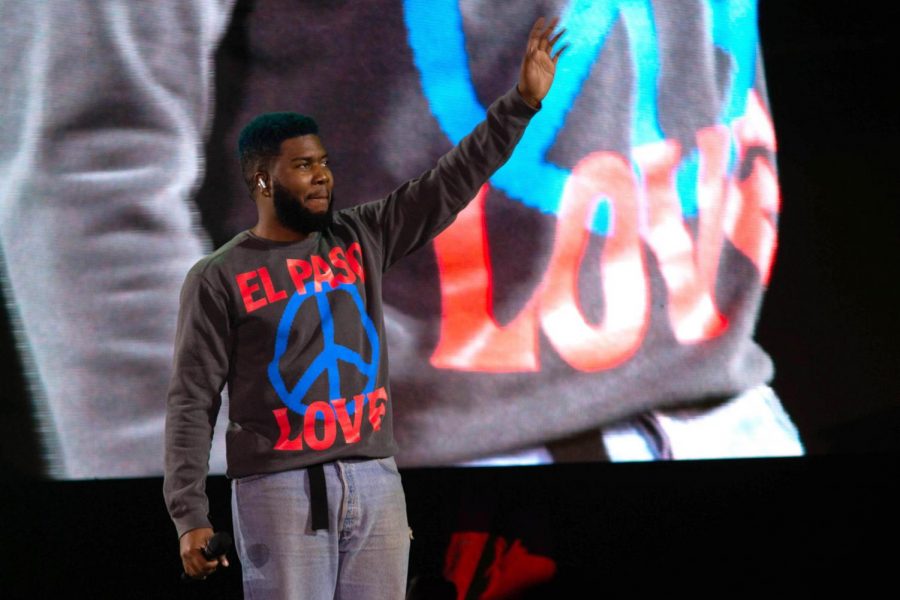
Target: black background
[[829, 318]]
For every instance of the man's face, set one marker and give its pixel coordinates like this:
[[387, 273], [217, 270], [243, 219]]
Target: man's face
[[302, 185]]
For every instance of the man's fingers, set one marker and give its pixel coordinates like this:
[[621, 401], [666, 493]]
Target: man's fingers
[[543, 38], [559, 52], [556, 37], [204, 570], [223, 560], [198, 567], [552, 26], [207, 566], [536, 29]]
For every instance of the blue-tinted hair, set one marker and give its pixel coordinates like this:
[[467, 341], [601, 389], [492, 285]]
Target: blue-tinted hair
[[260, 141]]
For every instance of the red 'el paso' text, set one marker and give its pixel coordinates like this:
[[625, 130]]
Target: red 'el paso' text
[[339, 267]]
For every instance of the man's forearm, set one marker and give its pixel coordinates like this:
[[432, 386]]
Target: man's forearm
[[188, 439]]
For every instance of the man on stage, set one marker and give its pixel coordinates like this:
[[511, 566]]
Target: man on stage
[[289, 315]]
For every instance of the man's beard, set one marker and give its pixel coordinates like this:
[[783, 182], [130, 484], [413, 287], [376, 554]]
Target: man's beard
[[294, 215]]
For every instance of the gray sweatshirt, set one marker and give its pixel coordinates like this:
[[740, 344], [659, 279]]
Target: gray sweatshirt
[[296, 329]]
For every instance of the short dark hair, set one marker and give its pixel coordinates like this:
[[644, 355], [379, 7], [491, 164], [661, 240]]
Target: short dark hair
[[260, 141]]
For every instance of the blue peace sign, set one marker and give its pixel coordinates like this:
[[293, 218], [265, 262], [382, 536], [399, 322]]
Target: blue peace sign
[[327, 360], [438, 42]]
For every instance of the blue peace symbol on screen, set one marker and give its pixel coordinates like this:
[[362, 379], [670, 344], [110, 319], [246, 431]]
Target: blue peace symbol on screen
[[437, 40], [327, 361]]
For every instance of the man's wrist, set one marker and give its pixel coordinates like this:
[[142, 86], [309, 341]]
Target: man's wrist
[[191, 522], [531, 100]]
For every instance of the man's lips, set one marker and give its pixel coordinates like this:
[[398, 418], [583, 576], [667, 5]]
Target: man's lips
[[318, 201]]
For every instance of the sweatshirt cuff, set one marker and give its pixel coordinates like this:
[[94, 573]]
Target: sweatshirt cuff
[[518, 106], [190, 522]]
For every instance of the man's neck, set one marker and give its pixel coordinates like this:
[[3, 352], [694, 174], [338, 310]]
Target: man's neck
[[276, 232]]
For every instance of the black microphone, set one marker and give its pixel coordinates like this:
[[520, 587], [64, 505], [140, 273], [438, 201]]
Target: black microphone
[[216, 546]]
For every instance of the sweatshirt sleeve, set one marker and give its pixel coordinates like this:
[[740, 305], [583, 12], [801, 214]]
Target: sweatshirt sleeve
[[202, 349], [421, 208]]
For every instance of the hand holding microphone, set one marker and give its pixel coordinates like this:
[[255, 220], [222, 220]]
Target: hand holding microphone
[[202, 552]]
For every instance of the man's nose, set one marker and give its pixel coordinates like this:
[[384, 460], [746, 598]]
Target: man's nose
[[321, 175]]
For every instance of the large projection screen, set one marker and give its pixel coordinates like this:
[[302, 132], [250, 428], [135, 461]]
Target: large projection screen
[[596, 300]]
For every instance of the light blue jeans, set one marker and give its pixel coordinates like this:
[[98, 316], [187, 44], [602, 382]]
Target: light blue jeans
[[362, 556]]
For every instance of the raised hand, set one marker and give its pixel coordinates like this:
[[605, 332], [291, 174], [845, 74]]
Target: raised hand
[[539, 62]]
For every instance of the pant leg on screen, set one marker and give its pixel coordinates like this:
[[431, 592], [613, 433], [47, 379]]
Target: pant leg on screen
[[752, 424], [102, 114]]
